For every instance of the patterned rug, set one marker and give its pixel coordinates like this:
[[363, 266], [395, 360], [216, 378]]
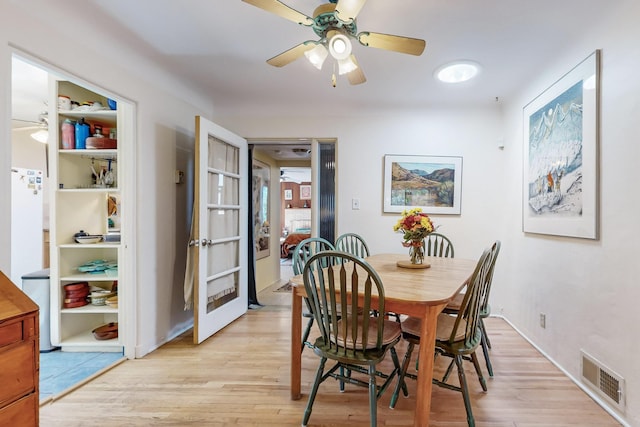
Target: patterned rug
[[284, 288]]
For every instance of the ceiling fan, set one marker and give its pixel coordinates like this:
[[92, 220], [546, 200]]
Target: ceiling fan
[[335, 24]]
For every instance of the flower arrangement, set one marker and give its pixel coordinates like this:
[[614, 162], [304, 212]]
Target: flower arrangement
[[415, 225]]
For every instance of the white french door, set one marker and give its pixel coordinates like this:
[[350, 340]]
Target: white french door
[[220, 229]]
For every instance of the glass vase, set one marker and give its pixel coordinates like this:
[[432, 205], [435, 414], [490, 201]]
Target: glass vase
[[416, 251]]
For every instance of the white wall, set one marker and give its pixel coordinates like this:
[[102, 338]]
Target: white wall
[[362, 143], [52, 33], [587, 289]]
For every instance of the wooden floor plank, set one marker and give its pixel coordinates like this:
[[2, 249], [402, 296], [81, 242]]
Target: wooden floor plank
[[240, 377]]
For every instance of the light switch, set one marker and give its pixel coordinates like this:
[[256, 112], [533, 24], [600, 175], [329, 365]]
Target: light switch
[[355, 204]]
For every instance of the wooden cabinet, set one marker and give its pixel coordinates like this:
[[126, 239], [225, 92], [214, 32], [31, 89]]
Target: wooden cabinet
[[19, 357], [87, 197]]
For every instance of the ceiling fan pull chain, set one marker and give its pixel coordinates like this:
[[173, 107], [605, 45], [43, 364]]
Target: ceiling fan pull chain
[[333, 76]]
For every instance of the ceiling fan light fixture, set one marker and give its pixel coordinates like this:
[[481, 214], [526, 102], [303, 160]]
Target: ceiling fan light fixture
[[457, 71], [346, 66], [340, 47], [317, 55]]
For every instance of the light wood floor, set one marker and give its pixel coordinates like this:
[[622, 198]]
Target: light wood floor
[[240, 377]]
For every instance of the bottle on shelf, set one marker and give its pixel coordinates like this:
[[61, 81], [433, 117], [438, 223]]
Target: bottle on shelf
[[68, 134], [82, 133]]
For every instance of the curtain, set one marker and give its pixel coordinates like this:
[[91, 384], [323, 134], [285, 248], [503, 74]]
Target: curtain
[[251, 246]]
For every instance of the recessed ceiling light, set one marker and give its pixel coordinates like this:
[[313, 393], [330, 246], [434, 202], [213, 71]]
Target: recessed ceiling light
[[457, 71]]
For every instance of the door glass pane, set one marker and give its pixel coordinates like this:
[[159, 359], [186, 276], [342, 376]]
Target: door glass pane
[[222, 257], [221, 291], [223, 190], [223, 156], [223, 223]]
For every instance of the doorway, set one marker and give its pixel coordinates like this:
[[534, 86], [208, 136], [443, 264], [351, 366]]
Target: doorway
[[307, 177], [32, 106]]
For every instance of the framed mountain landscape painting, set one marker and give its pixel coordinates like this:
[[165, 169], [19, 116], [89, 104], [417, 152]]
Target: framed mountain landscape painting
[[433, 183], [560, 161]]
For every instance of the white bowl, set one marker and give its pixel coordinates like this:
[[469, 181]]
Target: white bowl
[[88, 239]]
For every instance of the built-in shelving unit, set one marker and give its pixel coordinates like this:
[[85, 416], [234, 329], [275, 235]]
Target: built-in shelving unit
[[84, 200]]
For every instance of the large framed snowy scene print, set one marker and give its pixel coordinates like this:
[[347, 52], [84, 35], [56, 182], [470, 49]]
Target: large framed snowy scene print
[[560, 161]]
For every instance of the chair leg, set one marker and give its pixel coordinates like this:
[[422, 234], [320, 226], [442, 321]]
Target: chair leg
[[448, 371], [485, 351], [373, 396], [307, 331], [465, 391], [476, 365], [403, 371], [484, 333], [314, 391]]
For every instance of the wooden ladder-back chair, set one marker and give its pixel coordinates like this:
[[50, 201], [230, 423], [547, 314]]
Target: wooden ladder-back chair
[[485, 309], [436, 244], [352, 243], [354, 341], [457, 337], [301, 254]]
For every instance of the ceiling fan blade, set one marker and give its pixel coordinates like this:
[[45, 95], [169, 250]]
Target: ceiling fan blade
[[356, 76], [282, 10], [389, 42], [291, 55], [347, 10]]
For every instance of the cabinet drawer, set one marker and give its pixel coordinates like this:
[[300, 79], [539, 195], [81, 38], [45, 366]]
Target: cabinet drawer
[[22, 413], [10, 333], [17, 375]]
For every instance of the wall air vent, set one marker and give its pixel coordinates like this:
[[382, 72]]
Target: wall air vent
[[604, 381]]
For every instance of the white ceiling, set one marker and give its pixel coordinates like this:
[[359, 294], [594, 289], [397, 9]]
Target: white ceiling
[[220, 47]]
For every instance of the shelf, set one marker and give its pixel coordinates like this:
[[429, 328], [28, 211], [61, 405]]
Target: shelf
[[90, 115], [103, 245], [90, 309], [86, 341], [89, 190], [86, 277], [104, 153]]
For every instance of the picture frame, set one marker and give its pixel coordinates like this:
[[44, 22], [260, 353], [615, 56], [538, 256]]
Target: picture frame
[[433, 183], [560, 155], [305, 192], [288, 194], [261, 174]]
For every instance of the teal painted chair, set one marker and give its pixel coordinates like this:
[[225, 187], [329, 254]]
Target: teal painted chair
[[485, 309], [302, 252], [437, 244], [353, 341], [352, 243], [457, 336]]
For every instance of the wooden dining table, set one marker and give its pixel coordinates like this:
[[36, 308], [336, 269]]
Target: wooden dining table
[[419, 292]]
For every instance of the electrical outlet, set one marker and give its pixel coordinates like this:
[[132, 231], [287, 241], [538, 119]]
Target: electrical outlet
[[543, 320], [355, 204]]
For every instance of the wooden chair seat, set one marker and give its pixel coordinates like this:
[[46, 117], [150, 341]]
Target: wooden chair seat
[[392, 332], [411, 325]]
